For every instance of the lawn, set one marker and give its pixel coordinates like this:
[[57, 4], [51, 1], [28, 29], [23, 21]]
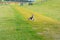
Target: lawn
[[14, 27], [14, 23], [49, 8], [43, 26]]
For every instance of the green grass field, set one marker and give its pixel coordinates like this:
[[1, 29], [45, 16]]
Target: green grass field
[[50, 8], [13, 25]]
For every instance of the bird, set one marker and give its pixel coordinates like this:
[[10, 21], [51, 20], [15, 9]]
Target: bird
[[31, 18]]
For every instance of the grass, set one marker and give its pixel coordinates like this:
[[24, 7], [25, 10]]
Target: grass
[[15, 27], [50, 8], [27, 30], [42, 27], [14, 23]]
